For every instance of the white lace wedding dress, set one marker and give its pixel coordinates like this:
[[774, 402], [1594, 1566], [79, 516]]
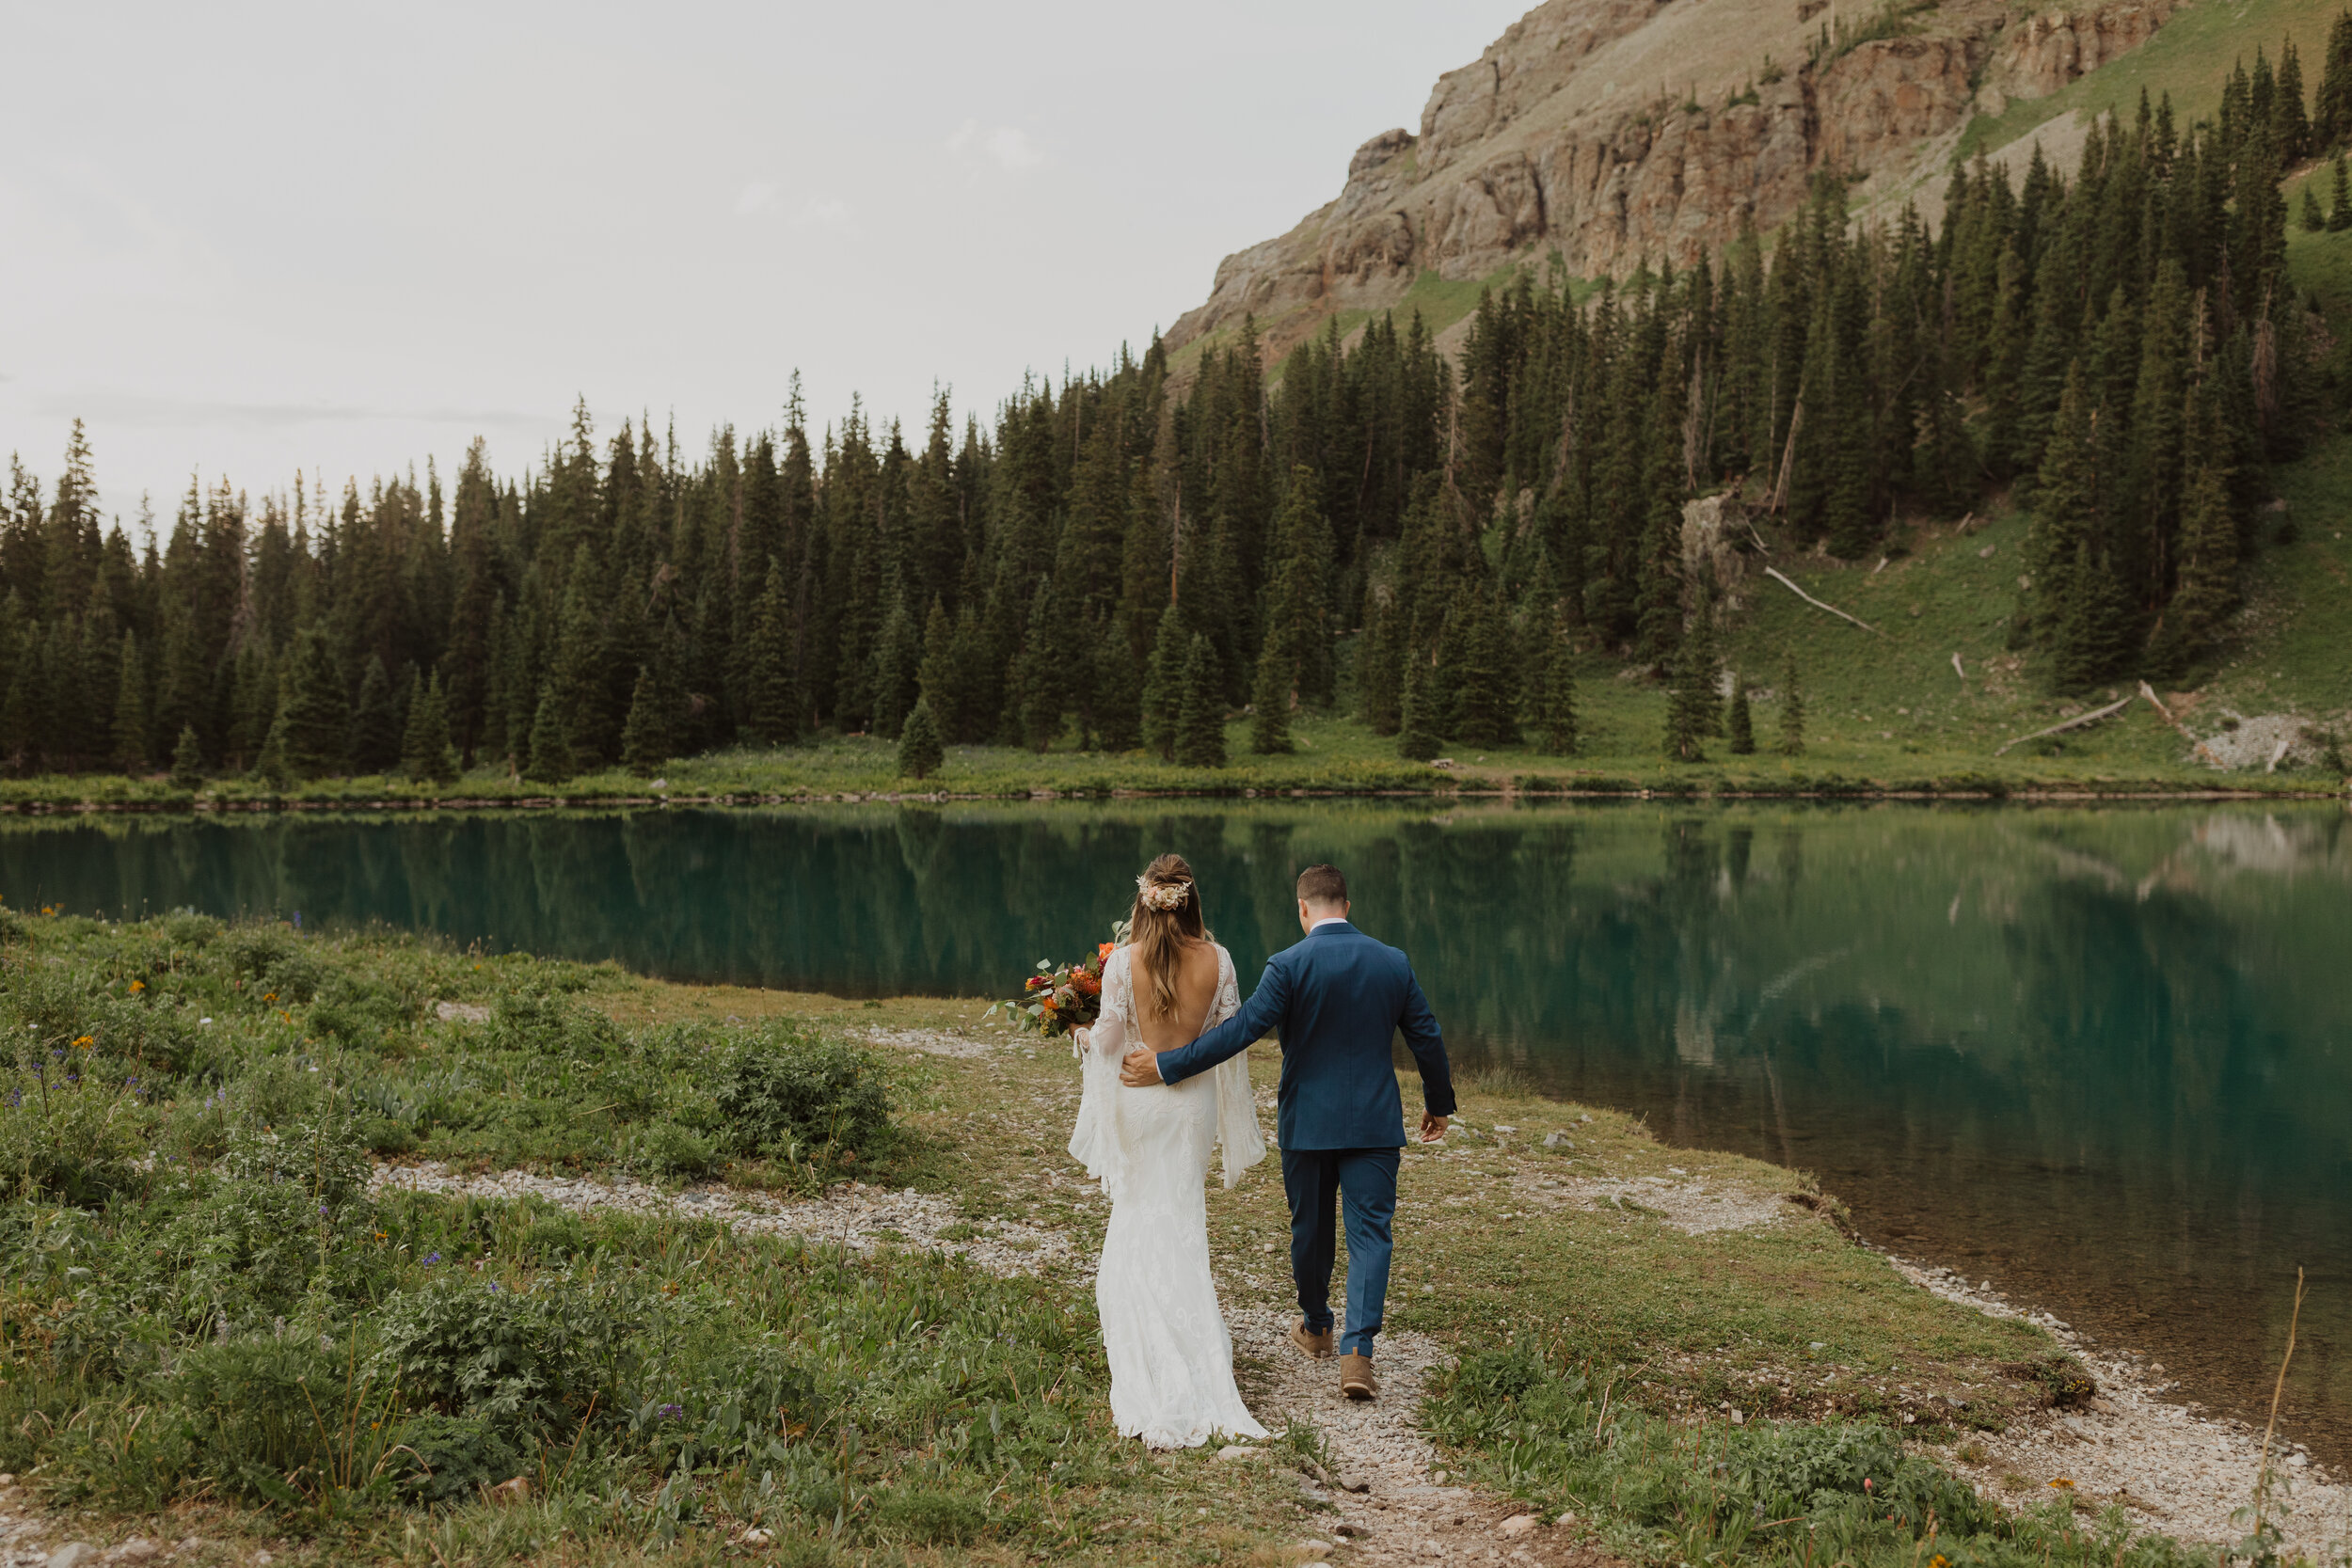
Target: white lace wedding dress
[[1171, 1358]]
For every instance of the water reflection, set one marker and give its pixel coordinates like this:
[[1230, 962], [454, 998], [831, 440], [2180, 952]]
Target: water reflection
[[2099, 1056]]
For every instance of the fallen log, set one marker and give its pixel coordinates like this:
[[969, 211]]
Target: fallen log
[[2075, 723], [2197, 745], [1774, 573]]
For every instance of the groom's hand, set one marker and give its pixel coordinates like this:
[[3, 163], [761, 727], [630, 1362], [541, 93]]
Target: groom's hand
[[1140, 1070], [1432, 1127]]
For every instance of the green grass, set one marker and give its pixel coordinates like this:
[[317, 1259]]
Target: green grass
[[2190, 56], [207, 1321]]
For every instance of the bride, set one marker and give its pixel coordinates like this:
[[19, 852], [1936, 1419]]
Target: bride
[[1171, 1359]]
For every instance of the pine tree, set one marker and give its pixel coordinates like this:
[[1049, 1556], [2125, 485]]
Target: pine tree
[[898, 671], [1164, 686], [312, 708], [919, 751], [1115, 697], [936, 677], [1201, 718], [129, 728], [550, 759], [1270, 696], [425, 752], [1038, 678], [2076, 604], [1743, 724], [269, 764], [2340, 196], [187, 760], [646, 742], [2312, 218], [1380, 662], [772, 713], [1791, 707], [375, 736], [1555, 718], [1419, 736], [1695, 710]]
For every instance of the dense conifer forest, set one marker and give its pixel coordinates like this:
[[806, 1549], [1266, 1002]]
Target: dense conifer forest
[[1123, 561]]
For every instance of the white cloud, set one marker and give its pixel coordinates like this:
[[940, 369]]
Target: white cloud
[[827, 213], [1012, 148], [1008, 146], [755, 195]]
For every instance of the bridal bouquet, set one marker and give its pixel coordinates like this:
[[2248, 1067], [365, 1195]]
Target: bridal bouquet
[[1060, 998]]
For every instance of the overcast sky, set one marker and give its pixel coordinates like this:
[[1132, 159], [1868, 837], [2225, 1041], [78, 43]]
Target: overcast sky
[[253, 239]]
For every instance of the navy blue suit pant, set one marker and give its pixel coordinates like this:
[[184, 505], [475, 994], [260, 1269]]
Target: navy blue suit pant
[[1363, 1183]]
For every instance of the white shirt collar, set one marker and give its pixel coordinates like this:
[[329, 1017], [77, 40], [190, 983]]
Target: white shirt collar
[[1326, 920]]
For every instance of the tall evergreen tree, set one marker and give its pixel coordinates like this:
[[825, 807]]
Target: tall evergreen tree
[[1791, 706], [1163, 685], [1200, 716], [1695, 710], [919, 751], [130, 719], [312, 709], [1554, 716], [1419, 736], [772, 713], [374, 743], [1742, 724], [187, 760], [427, 753], [552, 760], [646, 742]]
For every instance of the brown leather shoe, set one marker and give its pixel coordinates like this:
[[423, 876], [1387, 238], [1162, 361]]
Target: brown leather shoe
[[1317, 1346], [1356, 1378]]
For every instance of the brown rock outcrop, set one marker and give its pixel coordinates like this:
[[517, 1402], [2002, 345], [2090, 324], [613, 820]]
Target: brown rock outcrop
[[1621, 131]]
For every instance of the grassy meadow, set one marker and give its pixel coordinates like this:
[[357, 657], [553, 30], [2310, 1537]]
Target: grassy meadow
[[213, 1324]]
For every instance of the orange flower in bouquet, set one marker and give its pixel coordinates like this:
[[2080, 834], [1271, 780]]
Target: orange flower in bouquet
[[1060, 998]]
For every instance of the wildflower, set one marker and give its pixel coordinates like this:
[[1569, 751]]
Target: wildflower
[[494, 1285], [2064, 1483], [670, 1411], [83, 1042], [269, 996], [137, 986], [431, 1258]]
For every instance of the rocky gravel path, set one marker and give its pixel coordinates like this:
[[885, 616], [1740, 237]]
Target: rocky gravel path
[[2173, 1471]]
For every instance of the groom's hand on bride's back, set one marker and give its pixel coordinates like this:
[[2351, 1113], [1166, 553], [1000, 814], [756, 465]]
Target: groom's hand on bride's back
[[1140, 1069]]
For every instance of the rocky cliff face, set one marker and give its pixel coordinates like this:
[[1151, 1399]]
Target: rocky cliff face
[[1619, 131]]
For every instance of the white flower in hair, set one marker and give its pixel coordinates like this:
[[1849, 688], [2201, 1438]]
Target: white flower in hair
[[1163, 896]]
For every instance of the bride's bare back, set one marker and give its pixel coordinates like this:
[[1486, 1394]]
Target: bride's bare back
[[1195, 989]]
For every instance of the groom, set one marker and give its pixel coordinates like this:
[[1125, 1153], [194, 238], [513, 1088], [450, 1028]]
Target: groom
[[1337, 998]]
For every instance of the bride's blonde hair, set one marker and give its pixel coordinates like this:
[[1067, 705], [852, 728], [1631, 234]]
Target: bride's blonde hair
[[1165, 916]]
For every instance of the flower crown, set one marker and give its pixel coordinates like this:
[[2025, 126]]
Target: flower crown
[[1163, 896]]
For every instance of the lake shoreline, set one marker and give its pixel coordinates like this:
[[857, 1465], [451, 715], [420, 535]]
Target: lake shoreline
[[181, 805]]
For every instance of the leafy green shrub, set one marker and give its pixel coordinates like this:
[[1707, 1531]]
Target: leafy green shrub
[[13, 927], [540, 1025], [360, 1012], [70, 1137], [187, 929], [323, 1157], [667, 1148], [270, 957], [276, 1416], [786, 1088], [464, 1346], [61, 1007], [450, 1458]]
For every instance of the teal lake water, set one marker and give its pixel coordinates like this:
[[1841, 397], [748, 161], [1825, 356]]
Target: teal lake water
[[2102, 1057]]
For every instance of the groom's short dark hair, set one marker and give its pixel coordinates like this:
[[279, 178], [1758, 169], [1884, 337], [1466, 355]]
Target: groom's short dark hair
[[1322, 885]]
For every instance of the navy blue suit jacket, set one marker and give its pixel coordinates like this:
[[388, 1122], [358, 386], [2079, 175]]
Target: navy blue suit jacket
[[1337, 999]]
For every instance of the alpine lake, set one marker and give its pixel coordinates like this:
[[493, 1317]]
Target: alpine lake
[[2099, 1055]]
